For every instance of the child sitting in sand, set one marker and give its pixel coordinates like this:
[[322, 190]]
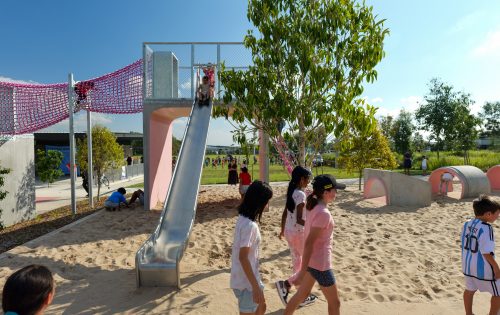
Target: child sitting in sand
[[316, 260], [478, 258], [245, 278], [116, 198], [292, 227], [245, 181], [29, 290]]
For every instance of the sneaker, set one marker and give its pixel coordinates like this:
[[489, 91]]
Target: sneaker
[[282, 291], [309, 300]]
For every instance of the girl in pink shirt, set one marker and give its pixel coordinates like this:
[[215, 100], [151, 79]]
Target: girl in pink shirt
[[316, 259]]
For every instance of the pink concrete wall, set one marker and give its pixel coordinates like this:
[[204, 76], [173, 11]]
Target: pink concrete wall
[[375, 187], [493, 175], [160, 157]]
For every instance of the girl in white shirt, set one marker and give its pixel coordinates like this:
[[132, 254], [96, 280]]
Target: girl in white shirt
[[245, 277], [292, 227]]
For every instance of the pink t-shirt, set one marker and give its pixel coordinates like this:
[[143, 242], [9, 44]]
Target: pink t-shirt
[[320, 217]]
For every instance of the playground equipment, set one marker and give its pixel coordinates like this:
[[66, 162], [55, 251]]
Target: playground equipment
[[398, 189], [493, 175], [474, 181]]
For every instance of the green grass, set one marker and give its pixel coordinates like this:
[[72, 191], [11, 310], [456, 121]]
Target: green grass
[[482, 159]]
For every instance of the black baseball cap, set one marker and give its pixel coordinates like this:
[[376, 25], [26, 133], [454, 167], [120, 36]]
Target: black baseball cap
[[326, 181]]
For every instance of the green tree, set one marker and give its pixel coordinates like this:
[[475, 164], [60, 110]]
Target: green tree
[[310, 59], [3, 193], [47, 165], [436, 114], [402, 131], [490, 114], [107, 154], [418, 142], [385, 124], [465, 126], [366, 150]]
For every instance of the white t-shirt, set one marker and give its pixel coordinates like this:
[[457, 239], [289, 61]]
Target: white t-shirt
[[291, 225], [477, 240], [424, 163], [447, 177], [246, 234]]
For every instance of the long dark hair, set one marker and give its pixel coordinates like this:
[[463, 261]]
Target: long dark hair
[[27, 289], [297, 174], [256, 198]]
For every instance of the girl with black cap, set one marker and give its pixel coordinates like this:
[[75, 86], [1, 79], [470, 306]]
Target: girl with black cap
[[316, 260]]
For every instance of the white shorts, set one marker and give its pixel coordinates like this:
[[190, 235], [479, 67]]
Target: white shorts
[[473, 284], [243, 189]]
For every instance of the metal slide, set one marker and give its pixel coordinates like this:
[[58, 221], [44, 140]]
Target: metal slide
[[157, 261]]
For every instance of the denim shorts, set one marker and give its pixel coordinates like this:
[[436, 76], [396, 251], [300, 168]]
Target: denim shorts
[[245, 300], [324, 278]]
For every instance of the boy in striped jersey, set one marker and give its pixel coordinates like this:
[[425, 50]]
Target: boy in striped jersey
[[478, 258]]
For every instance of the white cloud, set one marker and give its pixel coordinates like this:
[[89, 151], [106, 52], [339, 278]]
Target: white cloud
[[10, 80], [410, 103], [375, 100], [467, 22], [80, 122], [489, 47]]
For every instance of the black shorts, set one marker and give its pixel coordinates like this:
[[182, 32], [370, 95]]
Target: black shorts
[[324, 278]]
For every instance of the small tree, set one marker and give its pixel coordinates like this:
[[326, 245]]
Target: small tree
[[107, 154], [403, 128], [47, 165], [3, 193], [366, 150], [490, 114], [462, 136]]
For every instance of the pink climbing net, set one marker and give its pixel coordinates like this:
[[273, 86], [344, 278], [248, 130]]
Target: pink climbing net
[[25, 108], [288, 160]]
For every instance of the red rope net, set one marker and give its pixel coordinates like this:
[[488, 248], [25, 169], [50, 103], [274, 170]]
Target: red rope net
[[25, 108]]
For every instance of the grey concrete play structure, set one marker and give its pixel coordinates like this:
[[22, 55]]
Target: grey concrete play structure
[[16, 153], [398, 189], [474, 181]]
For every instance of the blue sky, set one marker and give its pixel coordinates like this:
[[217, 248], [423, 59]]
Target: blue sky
[[42, 41]]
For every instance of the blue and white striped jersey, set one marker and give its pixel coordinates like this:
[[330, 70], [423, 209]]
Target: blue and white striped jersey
[[477, 240]]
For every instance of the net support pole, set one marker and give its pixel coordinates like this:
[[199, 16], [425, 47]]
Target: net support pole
[[263, 156], [90, 168], [192, 73], [71, 142]]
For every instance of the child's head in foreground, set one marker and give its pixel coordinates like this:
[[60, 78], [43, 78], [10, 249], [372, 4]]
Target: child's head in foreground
[[486, 208], [205, 79], [255, 200], [244, 169], [28, 291], [122, 190]]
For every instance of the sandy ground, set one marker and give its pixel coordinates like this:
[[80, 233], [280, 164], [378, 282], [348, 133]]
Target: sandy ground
[[387, 259]]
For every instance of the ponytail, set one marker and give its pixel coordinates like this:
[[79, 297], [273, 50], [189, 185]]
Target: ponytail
[[297, 174], [313, 199], [290, 204]]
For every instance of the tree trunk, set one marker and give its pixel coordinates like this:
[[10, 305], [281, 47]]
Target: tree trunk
[[302, 142], [360, 176], [98, 184]]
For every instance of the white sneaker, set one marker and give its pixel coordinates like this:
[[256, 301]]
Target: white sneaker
[[309, 300], [282, 291]]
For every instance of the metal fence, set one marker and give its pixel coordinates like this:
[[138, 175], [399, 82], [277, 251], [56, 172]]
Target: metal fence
[[128, 171], [191, 55]]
